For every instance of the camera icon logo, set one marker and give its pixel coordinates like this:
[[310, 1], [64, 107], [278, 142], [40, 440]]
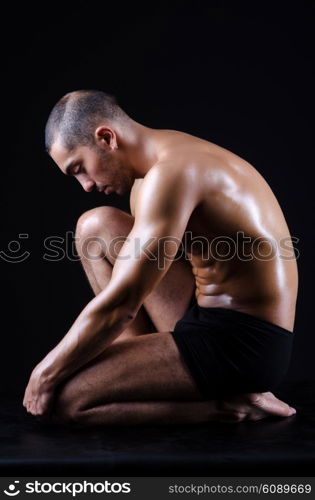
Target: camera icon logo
[[13, 492]]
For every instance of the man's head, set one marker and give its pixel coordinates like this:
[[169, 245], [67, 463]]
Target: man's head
[[81, 136]]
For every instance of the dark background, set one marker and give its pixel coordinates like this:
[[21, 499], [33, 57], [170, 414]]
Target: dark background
[[237, 76]]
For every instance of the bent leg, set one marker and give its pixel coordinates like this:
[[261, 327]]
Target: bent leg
[[100, 235], [143, 380], [96, 230], [182, 412]]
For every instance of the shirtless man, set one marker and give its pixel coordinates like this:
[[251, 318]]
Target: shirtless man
[[123, 361]]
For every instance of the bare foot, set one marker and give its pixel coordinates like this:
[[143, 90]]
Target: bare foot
[[254, 406]]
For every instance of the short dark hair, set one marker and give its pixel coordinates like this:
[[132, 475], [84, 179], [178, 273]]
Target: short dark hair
[[77, 114]]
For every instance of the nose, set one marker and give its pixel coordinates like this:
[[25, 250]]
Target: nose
[[87, 184]]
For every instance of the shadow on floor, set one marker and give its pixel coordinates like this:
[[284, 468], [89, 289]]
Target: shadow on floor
[[273, 447]]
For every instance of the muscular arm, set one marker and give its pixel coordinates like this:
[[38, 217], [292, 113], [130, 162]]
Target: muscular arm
[[164, 203]]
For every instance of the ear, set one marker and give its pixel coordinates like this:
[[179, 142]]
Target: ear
[[105, 137]]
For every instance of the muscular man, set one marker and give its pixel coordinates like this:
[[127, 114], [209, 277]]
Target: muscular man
[[195, 292]]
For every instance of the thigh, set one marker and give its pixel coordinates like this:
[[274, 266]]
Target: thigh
[[144, 368]]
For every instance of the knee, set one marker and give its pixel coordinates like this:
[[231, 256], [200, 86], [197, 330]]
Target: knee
[[96, 228], [93, 222]]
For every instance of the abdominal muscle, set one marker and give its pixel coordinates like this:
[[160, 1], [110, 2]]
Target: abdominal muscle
[[265, 289]]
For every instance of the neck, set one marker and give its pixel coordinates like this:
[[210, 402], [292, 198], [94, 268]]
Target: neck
[[139, 145]]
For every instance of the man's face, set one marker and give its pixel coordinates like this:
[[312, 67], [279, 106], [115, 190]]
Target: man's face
[[94, 167]]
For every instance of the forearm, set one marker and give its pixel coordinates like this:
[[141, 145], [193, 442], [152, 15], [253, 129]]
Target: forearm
[[95, 328]]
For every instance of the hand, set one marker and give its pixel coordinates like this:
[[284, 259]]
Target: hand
[[39, 395]]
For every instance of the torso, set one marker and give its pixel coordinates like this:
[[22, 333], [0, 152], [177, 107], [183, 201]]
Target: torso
[[236, 219]]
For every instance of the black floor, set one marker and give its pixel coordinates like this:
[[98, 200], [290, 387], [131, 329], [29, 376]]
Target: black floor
[[272, 447]]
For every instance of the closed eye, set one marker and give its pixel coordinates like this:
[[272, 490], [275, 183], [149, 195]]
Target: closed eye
[[76, 170]]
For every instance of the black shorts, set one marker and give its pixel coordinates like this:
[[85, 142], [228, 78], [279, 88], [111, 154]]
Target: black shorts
[[230, 352]]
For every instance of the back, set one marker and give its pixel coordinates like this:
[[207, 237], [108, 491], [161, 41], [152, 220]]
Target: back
[[244, 258]]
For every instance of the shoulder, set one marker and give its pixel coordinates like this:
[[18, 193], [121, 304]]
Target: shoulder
[[160, 180], [167, 176], [167, 190]]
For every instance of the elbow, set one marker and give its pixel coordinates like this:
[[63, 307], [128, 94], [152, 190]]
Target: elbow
[[114, 320], [120, 318], [130, 317], [126, 313], [121, 307], [130, 306], [129, 312]]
